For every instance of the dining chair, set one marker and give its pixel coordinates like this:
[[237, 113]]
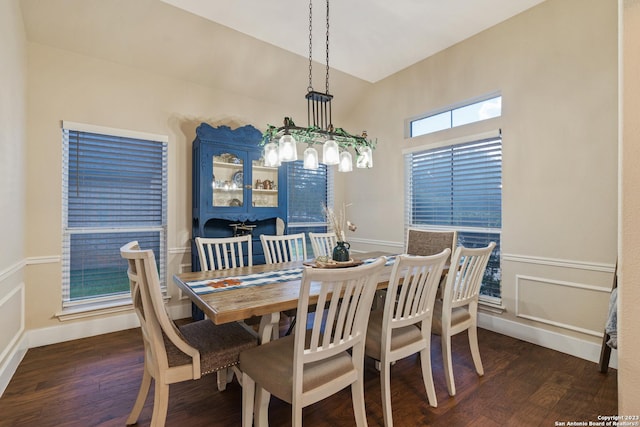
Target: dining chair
[[219, 253], [311, 365], [174, 354], [322, 244], [458, 309], [403, 326], [429, 242], [285, 248]]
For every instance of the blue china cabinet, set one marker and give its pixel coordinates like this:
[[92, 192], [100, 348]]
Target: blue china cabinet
[[233, 192]]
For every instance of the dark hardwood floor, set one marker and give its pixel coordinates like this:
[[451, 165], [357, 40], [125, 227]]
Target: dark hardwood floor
[[94, 381]]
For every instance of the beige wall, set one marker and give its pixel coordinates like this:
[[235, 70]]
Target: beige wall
[[12, 179], [629, 289], [12, 134], [69, 86], [558, 80], [160, 70]]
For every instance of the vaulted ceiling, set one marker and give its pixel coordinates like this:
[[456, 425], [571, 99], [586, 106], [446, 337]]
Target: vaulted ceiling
[[369, 39]]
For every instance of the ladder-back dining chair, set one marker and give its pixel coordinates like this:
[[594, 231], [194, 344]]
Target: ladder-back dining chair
[[458, 310], [323, 243], [284, 248], [311, 365], [219, 253], [403, 327], [174, 354]]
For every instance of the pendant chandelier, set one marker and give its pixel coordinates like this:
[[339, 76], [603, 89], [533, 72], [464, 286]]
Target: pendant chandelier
[[280, 142]]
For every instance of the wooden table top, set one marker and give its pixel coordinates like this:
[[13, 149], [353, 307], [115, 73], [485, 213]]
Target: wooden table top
[[244, 302]]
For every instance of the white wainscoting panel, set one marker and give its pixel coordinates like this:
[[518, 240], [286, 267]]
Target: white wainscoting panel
[[562, 304], [12, 346]]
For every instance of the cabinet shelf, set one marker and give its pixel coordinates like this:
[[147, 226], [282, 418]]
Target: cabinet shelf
[[235, 166], [265, 168]]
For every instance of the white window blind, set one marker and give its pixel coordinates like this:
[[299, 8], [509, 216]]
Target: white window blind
[[114, 191], [460, 186], [307, 192]]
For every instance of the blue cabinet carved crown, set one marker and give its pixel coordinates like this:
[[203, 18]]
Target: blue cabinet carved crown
[[233, 192]]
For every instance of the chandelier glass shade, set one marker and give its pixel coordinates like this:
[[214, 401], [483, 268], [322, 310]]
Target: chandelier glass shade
[[346, 162], [310, 158], [364, 159], [330, 152], [319, 130], [271, 156], [287, 150]]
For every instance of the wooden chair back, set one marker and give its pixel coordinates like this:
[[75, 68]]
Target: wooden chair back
[[466, 272], [323, 243], [284, 248], [217, 253]]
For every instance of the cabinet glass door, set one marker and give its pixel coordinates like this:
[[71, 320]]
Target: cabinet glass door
[[228, 180], [265, 185]]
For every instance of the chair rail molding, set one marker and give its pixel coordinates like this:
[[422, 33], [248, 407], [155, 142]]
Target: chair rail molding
[[563, 263], [12, 269]]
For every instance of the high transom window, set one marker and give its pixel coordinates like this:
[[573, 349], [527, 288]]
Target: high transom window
[[458, 116]]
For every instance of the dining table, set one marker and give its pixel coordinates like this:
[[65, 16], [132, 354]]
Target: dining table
[[265, 290]]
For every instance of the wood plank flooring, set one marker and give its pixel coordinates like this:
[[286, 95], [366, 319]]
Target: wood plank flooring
[[94, 381]]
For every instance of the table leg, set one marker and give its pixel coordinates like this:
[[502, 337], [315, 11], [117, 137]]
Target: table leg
[[269, 327]]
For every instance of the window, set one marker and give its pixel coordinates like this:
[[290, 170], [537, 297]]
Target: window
[[308, 192], [468, 113], [114, 191], [460, 186]]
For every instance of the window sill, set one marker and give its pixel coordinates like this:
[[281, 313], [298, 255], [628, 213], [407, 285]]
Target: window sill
[[96, 309], [491, 305]]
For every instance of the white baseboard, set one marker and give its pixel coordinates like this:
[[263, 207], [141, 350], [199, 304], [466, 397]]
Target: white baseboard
[[73, 331], [91, 327], [565, 344]]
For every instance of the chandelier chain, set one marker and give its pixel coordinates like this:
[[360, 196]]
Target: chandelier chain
[[319, 128], [327, 49], [310, 88]]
